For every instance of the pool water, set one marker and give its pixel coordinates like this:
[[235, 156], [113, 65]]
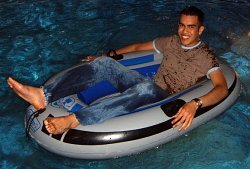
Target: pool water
[[40, 38]]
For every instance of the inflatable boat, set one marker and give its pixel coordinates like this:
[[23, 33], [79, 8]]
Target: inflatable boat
[[146, 127]]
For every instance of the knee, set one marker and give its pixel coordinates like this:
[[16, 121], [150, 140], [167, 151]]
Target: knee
[[103, 65], [150, 88], [145, 87]]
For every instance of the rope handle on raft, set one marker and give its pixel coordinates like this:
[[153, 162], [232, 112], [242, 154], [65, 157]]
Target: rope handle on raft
[[30, 120]]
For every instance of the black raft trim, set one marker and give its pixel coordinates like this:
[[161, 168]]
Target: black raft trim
[[79, 137], [99, 138]]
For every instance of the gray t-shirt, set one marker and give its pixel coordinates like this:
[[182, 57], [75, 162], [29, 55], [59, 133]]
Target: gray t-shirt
[[181, 68]]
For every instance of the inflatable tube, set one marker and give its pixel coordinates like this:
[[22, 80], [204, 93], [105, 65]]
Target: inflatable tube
[[144, 128]]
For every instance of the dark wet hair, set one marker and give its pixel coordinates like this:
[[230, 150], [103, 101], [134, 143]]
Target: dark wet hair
[[193, 11]]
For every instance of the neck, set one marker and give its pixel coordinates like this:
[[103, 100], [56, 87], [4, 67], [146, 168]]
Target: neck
[[191, 47]]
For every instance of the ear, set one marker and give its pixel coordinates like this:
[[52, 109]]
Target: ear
[[201, 29]]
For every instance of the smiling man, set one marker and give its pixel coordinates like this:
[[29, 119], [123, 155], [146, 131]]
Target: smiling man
[[186, 61]]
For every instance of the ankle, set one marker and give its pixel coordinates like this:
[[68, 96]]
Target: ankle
[[43, 97], [73, 121]]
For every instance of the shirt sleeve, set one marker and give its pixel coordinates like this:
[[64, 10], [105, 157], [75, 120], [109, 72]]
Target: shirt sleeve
[[161, 43], [211, 70], [156, 47], [211, 62]]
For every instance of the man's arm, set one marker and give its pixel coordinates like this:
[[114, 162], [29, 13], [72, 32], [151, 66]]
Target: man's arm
[[136, 47], [127, 49], [187, 112]]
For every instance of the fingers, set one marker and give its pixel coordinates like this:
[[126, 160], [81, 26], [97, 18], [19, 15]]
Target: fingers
[[183, 118], [179, 119], [178, 116], [88, 59], [186, 124]]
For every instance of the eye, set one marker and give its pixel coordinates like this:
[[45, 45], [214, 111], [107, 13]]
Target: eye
[[181, 25], [191, 26]]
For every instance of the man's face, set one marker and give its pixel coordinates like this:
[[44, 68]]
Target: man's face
[[189, 30]]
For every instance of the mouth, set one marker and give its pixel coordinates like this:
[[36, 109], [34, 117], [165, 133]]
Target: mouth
[[185, 37]]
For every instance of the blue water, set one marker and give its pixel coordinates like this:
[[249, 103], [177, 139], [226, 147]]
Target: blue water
[[40, 38]]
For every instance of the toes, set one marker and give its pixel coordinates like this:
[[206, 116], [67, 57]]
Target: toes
[[50, 129], [49, 126], [9, 81], [14, 84], [47, 120], [57, 125]]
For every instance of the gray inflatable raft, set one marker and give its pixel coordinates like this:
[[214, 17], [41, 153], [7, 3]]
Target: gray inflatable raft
[[147, 127]]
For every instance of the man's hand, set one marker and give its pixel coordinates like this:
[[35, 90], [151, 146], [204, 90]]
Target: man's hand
[[88, 58], [185, 116], [186, 113]]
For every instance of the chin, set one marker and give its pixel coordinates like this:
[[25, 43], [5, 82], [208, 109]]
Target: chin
[[185, 43]]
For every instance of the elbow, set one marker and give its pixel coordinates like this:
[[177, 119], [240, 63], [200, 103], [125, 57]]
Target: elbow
[[224, 92]]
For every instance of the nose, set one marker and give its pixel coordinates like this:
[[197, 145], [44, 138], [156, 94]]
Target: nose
[[185, 30]]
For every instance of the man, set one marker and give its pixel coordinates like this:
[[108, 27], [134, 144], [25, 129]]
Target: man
[[186, 60]]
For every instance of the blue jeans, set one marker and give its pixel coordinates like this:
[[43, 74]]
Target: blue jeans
[[136, 90]]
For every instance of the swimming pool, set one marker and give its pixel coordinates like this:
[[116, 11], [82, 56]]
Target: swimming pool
[[38, 39]]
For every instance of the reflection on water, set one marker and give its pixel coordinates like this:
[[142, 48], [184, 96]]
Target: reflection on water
[[40, 38]]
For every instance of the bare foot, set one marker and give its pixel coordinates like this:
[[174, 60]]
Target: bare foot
[[33, 95], [58, 125]]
